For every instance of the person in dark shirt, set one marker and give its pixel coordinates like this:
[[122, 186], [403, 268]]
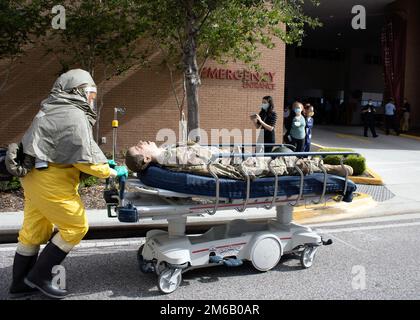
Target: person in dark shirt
[[368, 118], [405, 121], [309, 114], [266, 120]]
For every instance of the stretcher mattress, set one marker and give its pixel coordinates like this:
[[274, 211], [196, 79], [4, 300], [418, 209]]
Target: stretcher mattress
[[182, 182]]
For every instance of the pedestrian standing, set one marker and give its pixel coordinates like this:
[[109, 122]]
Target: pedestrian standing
[[390, 120], [309, 113], [297, 131], [368, 118], [266, 120], [405, 122]]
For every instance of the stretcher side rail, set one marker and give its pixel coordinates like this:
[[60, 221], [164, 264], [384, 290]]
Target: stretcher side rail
[[275, 199], [273, 155]]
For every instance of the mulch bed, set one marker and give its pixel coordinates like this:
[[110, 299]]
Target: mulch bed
[[92, 198]]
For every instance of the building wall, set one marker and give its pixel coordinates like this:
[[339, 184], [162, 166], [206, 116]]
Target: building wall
[[146, 94], [410, 9], [412, 69]]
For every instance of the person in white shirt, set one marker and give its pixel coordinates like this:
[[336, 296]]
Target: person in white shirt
[[390, 117]]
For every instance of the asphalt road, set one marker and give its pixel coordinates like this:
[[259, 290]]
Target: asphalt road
[[373, 258]]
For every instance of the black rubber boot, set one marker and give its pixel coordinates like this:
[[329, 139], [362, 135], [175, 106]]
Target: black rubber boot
[[40, 276], [21, 267]]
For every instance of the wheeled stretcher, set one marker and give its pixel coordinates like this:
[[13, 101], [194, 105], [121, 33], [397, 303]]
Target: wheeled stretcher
[[159, 193]]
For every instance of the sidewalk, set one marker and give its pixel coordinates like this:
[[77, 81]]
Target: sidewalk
[[395, 159]]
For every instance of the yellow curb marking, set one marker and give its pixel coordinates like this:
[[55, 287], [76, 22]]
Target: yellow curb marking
[[409, 136], [376, 180], [350, 136], [361, 201]]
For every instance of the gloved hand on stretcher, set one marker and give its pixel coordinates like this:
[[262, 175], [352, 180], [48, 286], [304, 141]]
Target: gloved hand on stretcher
[[119, 171], [112, 164]]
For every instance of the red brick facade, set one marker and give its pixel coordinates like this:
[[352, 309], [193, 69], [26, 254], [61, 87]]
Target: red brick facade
[[225, 103]]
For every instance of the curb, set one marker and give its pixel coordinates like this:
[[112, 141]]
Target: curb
[[332, 209], [376, 179]]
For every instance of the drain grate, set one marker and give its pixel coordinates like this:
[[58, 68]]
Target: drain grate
[[378, 193]]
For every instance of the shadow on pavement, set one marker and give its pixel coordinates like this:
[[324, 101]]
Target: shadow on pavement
[[114, 274]]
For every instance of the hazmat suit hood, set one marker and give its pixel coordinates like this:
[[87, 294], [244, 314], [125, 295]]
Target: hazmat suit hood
[[62, 132]]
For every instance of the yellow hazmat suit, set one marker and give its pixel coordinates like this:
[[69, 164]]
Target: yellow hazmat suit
[[52, 198]]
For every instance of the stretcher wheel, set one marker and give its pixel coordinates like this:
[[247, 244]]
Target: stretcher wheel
[[266, 254], [160, 267], [307, 257], [140, 258], [169, 280]]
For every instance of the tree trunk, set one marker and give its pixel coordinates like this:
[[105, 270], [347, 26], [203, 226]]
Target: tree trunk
[[191, 74]]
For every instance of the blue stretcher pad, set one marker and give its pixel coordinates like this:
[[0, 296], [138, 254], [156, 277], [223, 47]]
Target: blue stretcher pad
[[183, 182]]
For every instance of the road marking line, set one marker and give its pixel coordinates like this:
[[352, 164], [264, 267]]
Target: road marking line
[[347, 244], [386, 226], [88, 245]]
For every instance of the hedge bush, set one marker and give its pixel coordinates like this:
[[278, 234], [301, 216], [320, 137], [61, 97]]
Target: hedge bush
[[89, 182], [10, 185], [358, 163]]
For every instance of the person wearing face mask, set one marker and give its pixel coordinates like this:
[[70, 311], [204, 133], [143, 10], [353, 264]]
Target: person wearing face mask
[[60, 140], [266, 120], [298, 127], [309, 113]]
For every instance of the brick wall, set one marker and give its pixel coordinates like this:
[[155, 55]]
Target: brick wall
[[146, 94]]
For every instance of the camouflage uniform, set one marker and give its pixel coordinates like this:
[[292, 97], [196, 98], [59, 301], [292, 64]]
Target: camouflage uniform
[[194, 158]]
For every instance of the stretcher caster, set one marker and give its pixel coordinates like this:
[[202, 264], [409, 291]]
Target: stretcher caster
[[160, 267], [307, 256], [144, 266], [169, 280], [266, 254]]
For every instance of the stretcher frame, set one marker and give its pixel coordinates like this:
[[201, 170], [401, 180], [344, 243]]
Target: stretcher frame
[[159, 203], [170, 254]]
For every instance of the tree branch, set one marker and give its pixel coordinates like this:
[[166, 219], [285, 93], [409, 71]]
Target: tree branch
[[198, 28], [8, 71]]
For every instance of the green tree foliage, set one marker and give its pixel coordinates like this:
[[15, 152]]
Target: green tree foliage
[[20, 23], [189, 32], [100, 33]]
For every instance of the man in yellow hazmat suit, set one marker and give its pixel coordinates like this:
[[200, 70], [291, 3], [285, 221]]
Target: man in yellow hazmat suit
[[60, 141]]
